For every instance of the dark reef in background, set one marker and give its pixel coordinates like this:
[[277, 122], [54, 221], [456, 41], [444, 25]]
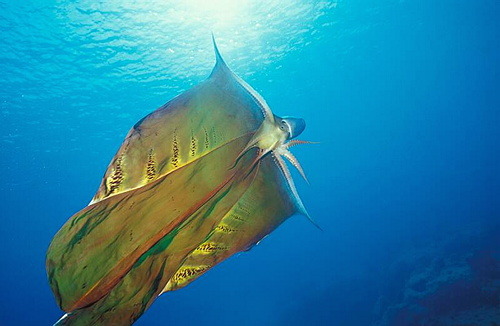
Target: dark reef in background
[[452, 282], [455, 282]]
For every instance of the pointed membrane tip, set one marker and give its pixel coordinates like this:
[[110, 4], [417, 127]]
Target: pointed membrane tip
[[313, 222], [304, 212], [218, 57]]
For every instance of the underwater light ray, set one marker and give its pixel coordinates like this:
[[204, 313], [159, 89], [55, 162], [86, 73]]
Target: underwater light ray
[[221, 14]]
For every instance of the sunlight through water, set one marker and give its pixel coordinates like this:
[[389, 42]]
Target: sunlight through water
[[83, 55]]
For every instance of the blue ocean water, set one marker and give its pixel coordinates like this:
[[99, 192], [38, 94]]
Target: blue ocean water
[[403, 97]]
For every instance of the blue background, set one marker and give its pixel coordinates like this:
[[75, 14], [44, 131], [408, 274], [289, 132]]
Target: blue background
[[403, 97]]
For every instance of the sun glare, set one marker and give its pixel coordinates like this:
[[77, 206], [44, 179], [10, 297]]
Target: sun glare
[[221, 13]]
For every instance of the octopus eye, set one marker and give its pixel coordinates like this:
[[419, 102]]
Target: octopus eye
[[283, 125]]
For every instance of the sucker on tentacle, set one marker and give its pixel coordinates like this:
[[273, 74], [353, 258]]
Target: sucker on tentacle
[[275, 137], [293, 160], [295, 142], [286, 172]]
